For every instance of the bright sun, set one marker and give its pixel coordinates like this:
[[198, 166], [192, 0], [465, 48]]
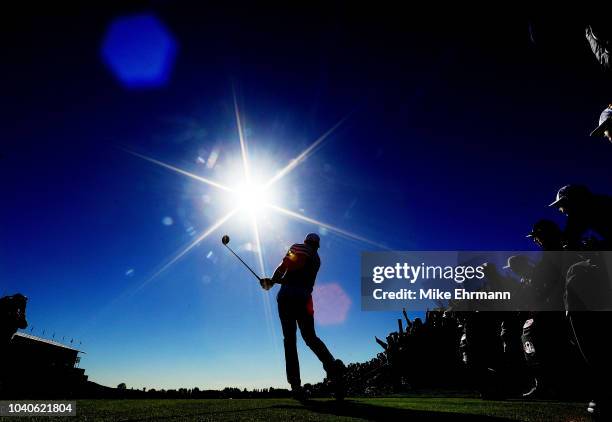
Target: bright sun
[[251, 197]]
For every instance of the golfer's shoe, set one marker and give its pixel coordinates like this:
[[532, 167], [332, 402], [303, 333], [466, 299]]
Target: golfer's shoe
[[337, 375], [298, 393]]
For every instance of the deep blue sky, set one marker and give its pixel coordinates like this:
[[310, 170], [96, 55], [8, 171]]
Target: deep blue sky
[[461, 132]]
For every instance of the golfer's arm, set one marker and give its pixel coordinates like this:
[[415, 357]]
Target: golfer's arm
[[280, 271]]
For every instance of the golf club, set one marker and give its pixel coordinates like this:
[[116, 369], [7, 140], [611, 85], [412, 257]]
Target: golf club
[[225, 240]]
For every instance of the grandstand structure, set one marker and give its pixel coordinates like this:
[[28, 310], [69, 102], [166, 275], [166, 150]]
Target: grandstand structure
[[39, 367]]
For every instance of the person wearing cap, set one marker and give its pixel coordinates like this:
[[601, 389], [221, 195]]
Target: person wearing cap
[[296, 274], [588, 284], [544, 334], [585, 211], [504, 330], [549, 275], [604, 129], [520, 265], [587, 281], [547, 235]]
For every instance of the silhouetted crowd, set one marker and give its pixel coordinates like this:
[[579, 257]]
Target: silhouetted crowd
[[420, 355], [551, 342]]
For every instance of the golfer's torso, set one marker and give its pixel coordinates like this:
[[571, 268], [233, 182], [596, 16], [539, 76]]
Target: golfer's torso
[[299, 282]]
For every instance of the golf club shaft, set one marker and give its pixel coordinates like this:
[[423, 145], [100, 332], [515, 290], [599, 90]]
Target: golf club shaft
[[245, 264]]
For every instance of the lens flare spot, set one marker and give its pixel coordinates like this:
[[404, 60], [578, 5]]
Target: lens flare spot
[[331, 304], [139, 50]]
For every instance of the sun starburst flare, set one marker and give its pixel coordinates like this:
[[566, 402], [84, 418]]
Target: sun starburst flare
[[181, 171], [303, 156], [252, 197], [337, 230]]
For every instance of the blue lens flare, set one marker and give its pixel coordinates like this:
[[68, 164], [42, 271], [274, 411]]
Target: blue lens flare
[[139, 50]]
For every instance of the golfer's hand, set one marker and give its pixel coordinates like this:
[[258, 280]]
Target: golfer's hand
[[266, 283]]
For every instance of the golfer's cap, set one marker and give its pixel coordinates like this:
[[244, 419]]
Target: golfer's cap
[[312, 238], [604, 121], [20, 296]]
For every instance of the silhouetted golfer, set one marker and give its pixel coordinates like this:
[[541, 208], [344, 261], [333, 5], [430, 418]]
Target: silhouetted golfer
[[296, 274]]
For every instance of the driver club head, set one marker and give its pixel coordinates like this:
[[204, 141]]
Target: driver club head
[[225, 239]]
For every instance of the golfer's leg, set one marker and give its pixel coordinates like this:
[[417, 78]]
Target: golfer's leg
[[292, 363], [306, 324]]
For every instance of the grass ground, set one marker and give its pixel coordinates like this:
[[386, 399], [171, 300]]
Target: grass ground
[[377, 409]]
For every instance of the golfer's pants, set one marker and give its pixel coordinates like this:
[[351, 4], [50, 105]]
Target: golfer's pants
[[295, 313]]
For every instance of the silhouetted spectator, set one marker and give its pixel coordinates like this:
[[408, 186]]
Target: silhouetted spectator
[[12, 316]]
